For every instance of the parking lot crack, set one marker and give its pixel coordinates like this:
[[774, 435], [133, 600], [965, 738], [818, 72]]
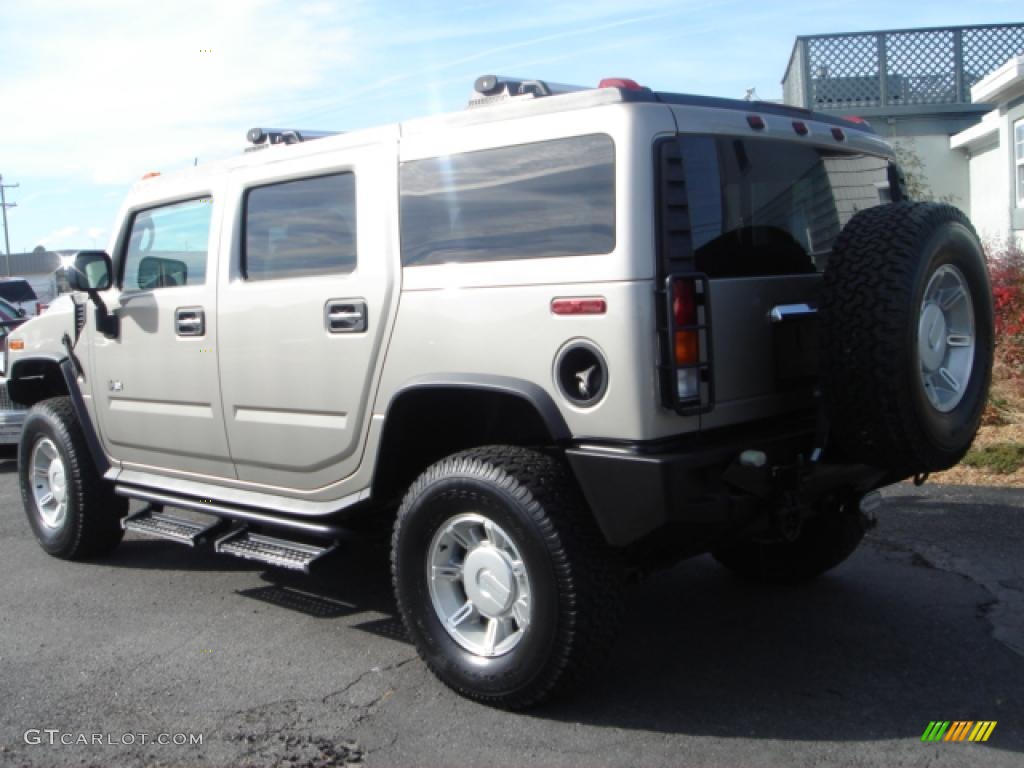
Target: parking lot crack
[[360, 678], [1004, 610]]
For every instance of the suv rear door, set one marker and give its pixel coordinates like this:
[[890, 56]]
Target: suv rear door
[[758, 216], [305, 302]]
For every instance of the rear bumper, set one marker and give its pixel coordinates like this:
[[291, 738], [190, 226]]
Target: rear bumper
[[635, 489], [11, 423], [12, 416]]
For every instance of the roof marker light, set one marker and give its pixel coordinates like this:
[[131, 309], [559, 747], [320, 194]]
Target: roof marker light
[[838, 135], [756, 122], [801, 127], [620, 82], [151, 175]]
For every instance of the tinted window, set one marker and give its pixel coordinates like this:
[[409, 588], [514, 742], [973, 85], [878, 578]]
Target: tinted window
[[167, 246], [17, 290], [552, 198], [304, 227], [762, 207]]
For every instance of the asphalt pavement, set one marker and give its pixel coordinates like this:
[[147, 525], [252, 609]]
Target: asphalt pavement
[[925, 622]]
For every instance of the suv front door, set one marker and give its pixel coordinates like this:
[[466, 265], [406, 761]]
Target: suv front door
[[155, 384]]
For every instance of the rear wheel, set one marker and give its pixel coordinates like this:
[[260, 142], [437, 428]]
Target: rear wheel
[[72, 510], [823, 542], [501, 577]]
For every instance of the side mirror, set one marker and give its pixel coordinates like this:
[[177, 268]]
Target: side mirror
[[91, 271]]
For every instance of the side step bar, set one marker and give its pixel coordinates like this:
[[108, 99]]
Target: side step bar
[[267, 549], [231, 512], [152, 521]]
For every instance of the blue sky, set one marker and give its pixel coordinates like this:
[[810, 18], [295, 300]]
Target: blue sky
[[94, 94]]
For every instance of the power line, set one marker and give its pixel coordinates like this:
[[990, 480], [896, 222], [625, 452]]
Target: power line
[[4, 205]]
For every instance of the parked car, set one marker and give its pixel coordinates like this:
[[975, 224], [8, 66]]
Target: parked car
[[10, 318], [558, 338], [19, 292], [12, 416]]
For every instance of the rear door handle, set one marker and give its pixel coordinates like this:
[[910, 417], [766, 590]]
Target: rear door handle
[[190, 321], [345, 316], [784, 312]]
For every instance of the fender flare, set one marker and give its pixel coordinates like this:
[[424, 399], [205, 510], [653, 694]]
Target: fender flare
[[529, 391]]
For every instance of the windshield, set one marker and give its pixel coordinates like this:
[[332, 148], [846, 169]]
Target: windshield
[[17, 290]]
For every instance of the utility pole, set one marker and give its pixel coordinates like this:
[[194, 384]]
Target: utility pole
[[4, 205]]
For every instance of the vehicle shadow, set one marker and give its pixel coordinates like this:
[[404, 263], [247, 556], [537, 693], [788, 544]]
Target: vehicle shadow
[[161, 555], [873, 651], [8, 459]]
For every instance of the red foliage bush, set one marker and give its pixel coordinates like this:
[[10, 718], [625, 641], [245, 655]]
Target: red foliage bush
[[1006, 270]]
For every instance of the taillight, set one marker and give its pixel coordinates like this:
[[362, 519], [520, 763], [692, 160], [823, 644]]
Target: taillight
[[40, 307], [688, 385]]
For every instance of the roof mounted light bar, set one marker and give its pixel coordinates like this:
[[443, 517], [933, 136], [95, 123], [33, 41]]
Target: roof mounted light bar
[[262, 137], [488, 89]]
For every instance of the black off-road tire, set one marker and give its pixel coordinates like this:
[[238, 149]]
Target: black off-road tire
[[575, 579], [91, 525], [873, 289], [824, 541]]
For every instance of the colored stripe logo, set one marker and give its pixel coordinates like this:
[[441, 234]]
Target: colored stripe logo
[[958, 730]]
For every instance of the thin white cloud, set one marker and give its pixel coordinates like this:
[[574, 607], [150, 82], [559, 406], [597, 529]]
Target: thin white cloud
[[58, 237], [109, 101]]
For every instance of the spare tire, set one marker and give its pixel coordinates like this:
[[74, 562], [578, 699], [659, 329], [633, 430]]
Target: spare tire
[[906, 338]]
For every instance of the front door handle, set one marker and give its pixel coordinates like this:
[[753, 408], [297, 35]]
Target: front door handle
[[345, 316], [190, 321]]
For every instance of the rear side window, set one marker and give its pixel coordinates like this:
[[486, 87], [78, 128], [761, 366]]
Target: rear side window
[[16, 290], [167, 247], [299, 228], [764, 207], [546, 199]]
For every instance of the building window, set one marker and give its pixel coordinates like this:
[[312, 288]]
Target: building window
[[1018, 154]]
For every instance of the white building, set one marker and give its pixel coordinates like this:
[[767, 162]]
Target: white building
[[994, 150]]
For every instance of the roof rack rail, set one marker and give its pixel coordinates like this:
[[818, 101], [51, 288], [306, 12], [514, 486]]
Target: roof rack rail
[[488, 89], [263, 137]]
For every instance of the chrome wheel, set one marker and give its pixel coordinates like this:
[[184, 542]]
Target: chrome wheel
[[946, 338], [49, 483], [479, 585]]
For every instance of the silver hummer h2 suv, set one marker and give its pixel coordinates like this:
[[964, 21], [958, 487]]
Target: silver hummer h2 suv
[[561, 336]]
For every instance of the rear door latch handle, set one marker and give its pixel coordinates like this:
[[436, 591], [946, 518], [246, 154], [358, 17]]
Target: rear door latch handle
[[345, 316]]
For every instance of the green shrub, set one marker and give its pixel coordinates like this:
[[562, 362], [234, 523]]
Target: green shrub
[[1001, 458]]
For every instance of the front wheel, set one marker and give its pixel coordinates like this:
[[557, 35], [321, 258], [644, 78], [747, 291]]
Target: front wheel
[[501, 577], [72, 510]]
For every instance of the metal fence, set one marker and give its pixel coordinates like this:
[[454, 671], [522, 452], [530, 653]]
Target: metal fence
[[897, 68]]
